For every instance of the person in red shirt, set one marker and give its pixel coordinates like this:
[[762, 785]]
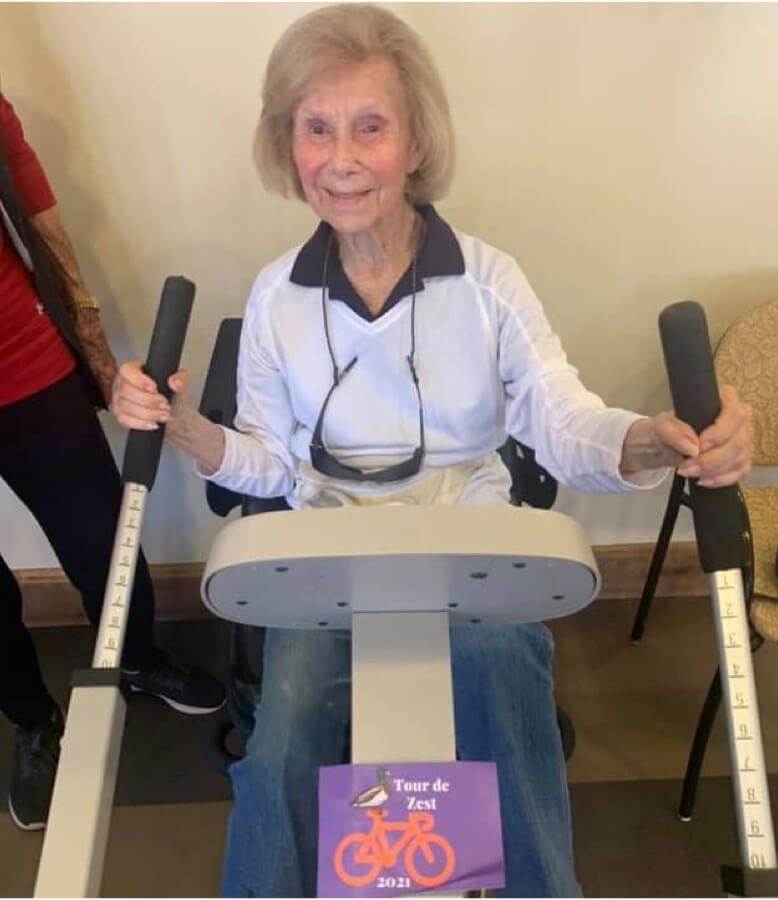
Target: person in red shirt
[[55, 368]]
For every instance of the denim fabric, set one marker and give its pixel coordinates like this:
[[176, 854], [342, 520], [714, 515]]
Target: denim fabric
[[504, 712], [244, 685]]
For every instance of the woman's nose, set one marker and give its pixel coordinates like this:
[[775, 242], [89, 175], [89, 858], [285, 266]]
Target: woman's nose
[[344, 154]]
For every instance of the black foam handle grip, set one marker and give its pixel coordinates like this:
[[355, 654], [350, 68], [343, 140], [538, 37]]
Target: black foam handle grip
[[686, 344], [141, 454], [720, 516]]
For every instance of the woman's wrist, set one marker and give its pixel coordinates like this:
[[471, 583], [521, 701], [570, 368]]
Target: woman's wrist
[[183, 426], [643, 449], [203, 440]]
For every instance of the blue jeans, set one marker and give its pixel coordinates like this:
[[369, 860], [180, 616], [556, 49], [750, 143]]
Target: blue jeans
[[504, 712]]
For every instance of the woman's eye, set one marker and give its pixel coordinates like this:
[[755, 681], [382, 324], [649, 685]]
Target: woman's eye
[[314, 128], [371, 128]]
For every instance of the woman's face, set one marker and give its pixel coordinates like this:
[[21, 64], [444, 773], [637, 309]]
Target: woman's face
[[352, 146]]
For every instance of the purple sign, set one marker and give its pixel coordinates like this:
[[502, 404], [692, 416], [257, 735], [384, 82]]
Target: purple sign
[[405, 828]]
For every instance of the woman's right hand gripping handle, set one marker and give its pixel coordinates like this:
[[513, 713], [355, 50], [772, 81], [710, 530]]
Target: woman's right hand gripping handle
[[136, 403]]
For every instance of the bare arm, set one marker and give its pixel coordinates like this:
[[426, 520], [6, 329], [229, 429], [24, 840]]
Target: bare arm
[[199, 437], [82, 305]]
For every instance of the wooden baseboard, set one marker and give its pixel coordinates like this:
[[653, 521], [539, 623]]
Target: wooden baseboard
[[624, 568], [49, 599]]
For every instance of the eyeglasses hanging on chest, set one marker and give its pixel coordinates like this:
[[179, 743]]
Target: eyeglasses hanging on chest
[[321, 458]]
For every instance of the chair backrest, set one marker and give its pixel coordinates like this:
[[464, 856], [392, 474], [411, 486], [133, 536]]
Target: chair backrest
[[531, 484], [219, 402], [747, 358]]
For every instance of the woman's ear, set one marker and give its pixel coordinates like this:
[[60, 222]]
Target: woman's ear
[[414, 157]]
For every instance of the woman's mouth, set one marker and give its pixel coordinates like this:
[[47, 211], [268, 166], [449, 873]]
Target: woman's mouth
[[346, 198]]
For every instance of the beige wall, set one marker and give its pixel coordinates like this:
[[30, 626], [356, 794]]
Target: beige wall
[[627, 155]]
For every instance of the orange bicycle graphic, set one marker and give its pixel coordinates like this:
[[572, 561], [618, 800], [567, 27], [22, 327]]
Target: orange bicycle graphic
[[429, 858]]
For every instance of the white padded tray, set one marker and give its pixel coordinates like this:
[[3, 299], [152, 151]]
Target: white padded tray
[[313, 568]]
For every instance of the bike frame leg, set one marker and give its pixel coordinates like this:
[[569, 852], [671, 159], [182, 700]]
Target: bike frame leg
[[77, 831], [402, 690]]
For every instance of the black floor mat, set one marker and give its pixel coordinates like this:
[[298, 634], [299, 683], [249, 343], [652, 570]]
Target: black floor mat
[[167, 757], [629, 841]]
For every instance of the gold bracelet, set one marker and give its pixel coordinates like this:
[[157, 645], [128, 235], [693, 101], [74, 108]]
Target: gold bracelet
[[87, 301]]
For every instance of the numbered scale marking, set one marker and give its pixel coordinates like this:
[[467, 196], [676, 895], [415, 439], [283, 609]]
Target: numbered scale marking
[[121, 577], [752, 799]]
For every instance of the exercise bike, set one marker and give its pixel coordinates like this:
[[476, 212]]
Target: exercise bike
[[399, 578]]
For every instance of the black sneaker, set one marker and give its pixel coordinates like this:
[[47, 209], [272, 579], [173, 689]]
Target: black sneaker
[[36, 753], [186, 689]]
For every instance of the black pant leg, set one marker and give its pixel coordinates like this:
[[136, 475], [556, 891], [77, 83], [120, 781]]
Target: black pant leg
[[54, 456], [23, 695]]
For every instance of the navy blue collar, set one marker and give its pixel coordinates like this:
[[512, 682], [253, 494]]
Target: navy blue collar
[[440, 255]]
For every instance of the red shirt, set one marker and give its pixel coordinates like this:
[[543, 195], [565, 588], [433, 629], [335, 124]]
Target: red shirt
[[33, 355]]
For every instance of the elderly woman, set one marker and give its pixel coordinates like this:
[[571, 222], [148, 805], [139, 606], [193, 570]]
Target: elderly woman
[[383, 361]]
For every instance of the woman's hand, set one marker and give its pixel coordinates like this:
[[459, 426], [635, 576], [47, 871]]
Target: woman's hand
[[136, 402], [719, 456]]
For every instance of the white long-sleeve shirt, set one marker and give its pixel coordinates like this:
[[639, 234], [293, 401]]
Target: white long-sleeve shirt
[[488, 362]]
